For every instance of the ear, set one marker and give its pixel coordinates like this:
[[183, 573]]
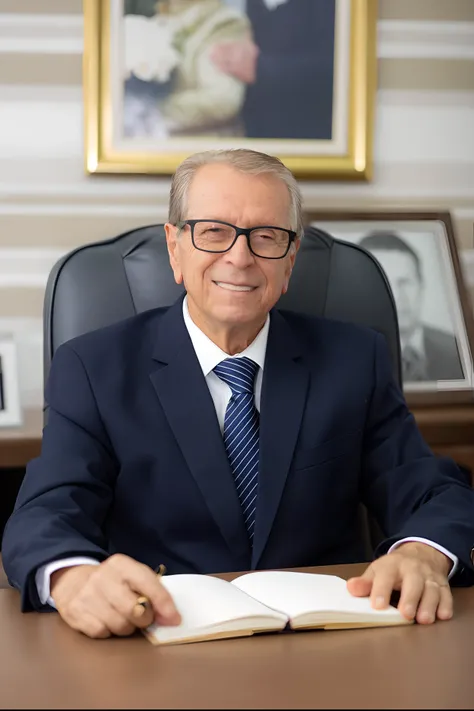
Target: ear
[[172, 240]]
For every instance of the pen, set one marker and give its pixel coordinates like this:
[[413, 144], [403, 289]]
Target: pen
[[143, 602]]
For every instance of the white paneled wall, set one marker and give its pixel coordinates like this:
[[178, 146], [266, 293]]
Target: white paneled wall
[[424, 157]]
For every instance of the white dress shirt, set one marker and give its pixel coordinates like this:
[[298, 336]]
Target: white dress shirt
[[208, 355]]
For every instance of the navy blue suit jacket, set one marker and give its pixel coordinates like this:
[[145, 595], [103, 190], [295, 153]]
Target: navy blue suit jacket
[[133, 459]]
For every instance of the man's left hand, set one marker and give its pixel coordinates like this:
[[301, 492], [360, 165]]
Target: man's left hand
[[419, 572]]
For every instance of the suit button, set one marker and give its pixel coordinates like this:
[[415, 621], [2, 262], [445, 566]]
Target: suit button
[[472, 556]]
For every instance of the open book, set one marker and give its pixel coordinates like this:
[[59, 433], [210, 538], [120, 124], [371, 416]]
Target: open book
[[264, 601]]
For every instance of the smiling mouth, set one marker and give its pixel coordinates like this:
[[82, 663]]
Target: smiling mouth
[[234, 287]]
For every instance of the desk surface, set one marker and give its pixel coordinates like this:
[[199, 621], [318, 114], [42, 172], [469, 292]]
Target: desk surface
[[44, 664], [20, 444]]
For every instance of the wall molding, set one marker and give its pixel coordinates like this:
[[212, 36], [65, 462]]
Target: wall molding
[[400, 189], [56, 208], [153, 206], [413, 39], [41, 34], [407, 39], [28, 268]]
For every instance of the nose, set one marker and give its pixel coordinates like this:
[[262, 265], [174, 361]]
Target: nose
[[240, 254]]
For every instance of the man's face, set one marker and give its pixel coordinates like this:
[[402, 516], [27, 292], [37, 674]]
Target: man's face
[[407, 288], [235, 288]]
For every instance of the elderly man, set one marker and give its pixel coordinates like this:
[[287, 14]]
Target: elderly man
[[220, 434]]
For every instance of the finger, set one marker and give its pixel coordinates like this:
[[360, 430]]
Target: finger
[[361, 585], [124, 601], [430, 600], [113, 620], [382, 587], [118, 624], [89, 625], [413, 587], [144, 581], [445, 607]]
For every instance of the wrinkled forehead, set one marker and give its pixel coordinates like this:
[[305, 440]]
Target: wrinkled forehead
[[223, 192]]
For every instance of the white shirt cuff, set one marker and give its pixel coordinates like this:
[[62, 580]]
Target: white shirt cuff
[[439, 548], [43, 575]]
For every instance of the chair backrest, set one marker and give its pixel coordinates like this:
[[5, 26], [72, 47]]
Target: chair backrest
[[101, 283]]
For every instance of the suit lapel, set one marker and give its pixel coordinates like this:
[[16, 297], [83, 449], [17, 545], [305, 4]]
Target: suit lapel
[[184, 395], [285, 383]]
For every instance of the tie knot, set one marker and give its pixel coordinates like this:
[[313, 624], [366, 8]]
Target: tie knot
[[238, 374]]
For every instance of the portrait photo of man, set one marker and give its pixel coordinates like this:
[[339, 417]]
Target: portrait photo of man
[[428, 353], [228, 69]]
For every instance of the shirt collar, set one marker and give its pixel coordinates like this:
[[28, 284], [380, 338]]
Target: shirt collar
[[209, 354]]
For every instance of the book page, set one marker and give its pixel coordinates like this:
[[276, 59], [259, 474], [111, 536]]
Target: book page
[[300, 594], [208, 603]]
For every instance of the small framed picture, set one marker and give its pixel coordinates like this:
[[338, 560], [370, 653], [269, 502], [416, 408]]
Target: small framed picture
[[10, 409], [419, 256]]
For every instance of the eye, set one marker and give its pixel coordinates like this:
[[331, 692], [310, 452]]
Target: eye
[[264, 234]]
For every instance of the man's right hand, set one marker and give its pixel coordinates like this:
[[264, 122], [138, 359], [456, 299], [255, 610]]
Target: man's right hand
[[99, 600]]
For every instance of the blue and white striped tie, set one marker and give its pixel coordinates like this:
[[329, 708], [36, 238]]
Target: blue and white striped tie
[[241, 432]]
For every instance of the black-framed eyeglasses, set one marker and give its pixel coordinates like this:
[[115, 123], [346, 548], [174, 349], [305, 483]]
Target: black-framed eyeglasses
[[264, 241]]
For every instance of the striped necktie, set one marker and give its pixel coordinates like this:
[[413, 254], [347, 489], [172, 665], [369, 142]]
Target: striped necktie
[[241, 432]]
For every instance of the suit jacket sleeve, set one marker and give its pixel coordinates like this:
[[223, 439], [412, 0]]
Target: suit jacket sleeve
[[410, 491], [67, 491]]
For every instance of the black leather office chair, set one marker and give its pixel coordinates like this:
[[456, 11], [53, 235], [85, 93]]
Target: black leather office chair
[[101, 283]]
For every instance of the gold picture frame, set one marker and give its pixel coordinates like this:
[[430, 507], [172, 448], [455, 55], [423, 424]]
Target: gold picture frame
[[308, 159]]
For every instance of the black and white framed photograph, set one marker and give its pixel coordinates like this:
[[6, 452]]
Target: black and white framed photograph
[[419, 256], [10, 409]]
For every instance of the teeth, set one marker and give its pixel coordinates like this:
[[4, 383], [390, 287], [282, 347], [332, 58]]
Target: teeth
[[233, 287]]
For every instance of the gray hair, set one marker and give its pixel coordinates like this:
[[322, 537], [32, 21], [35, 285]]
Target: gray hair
[[247, 161]]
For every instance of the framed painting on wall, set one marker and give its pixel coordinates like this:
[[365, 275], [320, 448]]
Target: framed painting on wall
[[419, 256], [293, 78]]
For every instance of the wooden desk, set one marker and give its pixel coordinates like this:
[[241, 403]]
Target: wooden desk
[[20, 444], [449, 431], [44, 664]]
